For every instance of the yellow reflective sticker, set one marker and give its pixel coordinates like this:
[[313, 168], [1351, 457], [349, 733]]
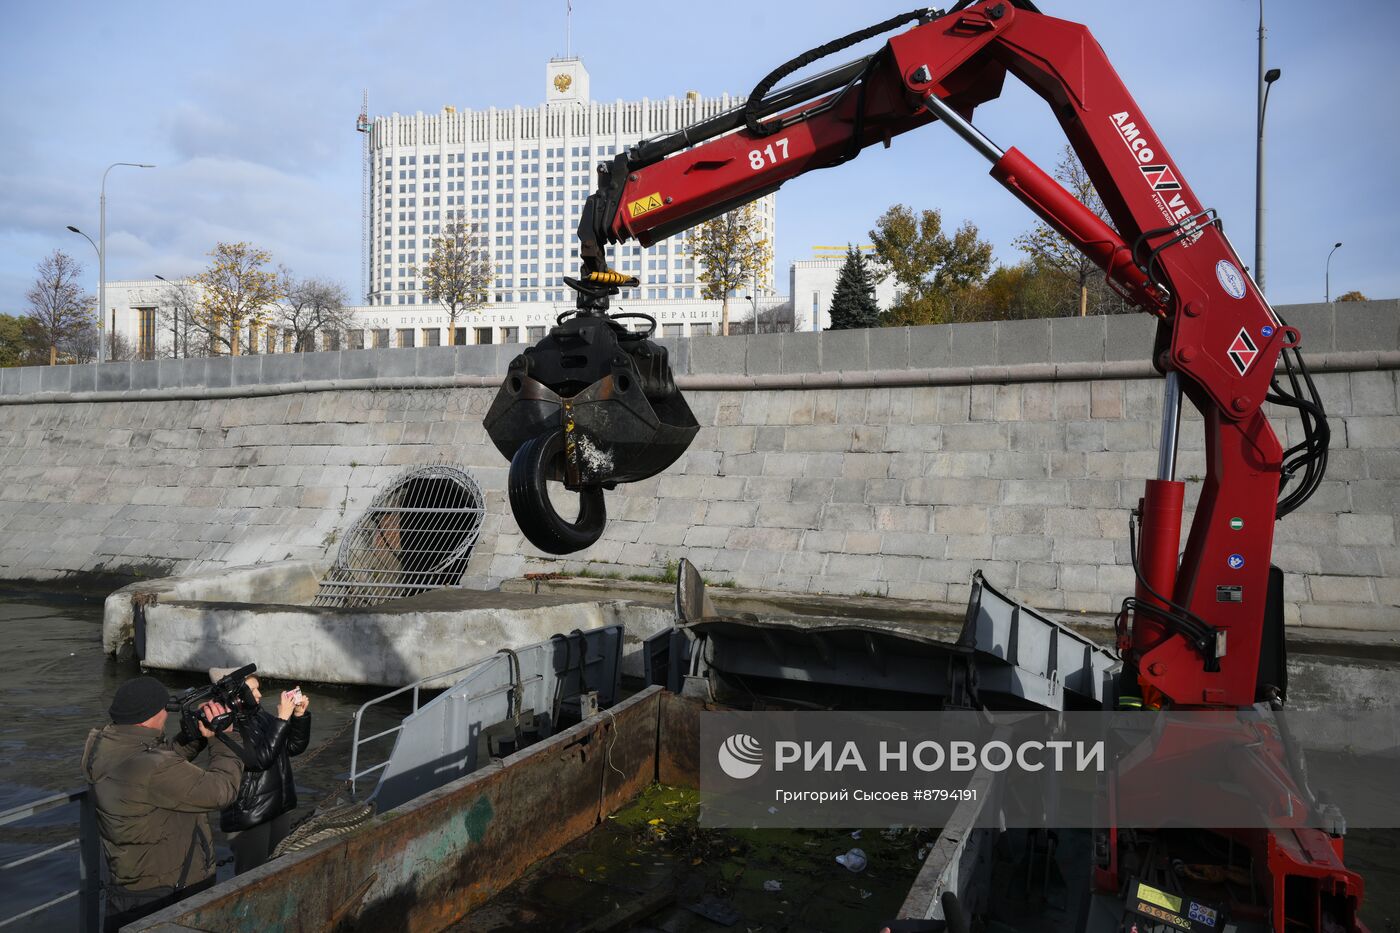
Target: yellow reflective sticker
[[1160, 898], [644, 205]]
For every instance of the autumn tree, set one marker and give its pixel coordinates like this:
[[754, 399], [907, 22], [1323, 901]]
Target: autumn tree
[[935, 272], [13, 345], [1021, 291], [236, 294], [1050, 250], [1352, 296], [457, 273], [731, 252], [853, 302], [310, 306], [59, 308]]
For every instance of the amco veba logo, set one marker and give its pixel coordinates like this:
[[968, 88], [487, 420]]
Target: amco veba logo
[[740, 756]]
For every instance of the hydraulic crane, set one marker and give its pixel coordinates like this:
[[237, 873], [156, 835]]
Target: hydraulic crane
[[594, 404]]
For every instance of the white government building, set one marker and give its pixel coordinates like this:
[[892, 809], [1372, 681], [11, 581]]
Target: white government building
[[523, 174]]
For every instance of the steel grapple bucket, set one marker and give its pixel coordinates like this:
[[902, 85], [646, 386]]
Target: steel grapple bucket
[[591, 405]]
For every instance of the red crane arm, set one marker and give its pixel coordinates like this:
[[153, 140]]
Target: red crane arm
[[1168, 255], [1198, 626]]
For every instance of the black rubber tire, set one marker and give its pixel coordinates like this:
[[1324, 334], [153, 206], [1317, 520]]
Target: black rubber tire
[[535, 514]]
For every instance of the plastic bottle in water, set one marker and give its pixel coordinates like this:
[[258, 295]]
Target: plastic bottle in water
[[853, 860]]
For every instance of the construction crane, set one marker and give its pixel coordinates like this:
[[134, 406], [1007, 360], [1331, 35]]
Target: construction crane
[[594, 404], [362, 126]]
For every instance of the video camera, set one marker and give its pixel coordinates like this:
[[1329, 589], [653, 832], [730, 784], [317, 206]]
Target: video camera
[[231, 690]]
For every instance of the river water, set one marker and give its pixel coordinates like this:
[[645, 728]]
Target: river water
[[57, 686]]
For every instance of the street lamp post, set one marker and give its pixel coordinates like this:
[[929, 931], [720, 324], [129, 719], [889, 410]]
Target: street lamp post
[[753, 300], [73, 229], [174, 321], [1327, 295], [1266, 80], [102, 253]]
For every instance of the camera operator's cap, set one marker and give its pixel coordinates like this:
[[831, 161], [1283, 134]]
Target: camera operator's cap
[[217, 674], [138, 700]]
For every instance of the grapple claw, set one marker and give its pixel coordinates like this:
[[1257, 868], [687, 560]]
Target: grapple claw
[[591, 405]]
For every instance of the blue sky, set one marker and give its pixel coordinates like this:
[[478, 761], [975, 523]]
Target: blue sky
[[248, 110]]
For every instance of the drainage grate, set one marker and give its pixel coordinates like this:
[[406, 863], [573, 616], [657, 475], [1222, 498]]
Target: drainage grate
[[415, 536]]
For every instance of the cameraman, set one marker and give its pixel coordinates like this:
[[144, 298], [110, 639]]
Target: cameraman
[[151, 800], [261, 815]]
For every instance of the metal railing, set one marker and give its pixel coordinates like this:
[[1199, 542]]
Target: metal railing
[[89, 849], [416, 535], [570, 674], [416, 688]]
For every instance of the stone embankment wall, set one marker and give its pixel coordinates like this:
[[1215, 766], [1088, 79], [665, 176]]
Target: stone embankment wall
[[889, 461]]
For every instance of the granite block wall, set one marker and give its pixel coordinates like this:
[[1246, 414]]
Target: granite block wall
[[900, 491]]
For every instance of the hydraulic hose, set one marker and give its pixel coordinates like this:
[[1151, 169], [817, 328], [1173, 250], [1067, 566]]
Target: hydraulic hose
[[755, 102]]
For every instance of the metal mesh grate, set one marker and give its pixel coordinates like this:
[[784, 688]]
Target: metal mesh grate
[[415, 536]]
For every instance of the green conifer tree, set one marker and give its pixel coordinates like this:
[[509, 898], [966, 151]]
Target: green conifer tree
[[853, 303]]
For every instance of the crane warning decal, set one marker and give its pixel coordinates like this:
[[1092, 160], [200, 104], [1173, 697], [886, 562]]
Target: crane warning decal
[[1161, 177], [1242, 351], [644, 205]]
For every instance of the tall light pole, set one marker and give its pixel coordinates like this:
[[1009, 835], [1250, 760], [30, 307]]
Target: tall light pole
[[1266, 80], [102, 253], [1327, 296], [174, 321], [73, 229]]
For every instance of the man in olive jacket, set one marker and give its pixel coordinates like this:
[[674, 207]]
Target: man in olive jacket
[[152, 800]]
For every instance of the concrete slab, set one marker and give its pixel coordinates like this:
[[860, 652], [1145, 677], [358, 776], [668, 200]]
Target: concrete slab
[[846, 350], [114, 377], [55, 378], [83, 379], [282, 367], [218, 372], [717, 354], [261, 615], [1022, 341], [889, 348], [384, 647], [145, 374], [800, 353]]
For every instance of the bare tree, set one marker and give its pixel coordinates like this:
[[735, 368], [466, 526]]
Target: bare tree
[[774, 319], [81, 347], [457, 274], [176, 311], [310, 306], [1054, 252], [59, 308]]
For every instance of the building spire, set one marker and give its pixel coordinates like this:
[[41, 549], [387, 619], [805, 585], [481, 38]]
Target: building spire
[[568, 27]]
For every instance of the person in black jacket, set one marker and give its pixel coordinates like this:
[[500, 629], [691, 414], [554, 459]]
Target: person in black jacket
[[260, 817]]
